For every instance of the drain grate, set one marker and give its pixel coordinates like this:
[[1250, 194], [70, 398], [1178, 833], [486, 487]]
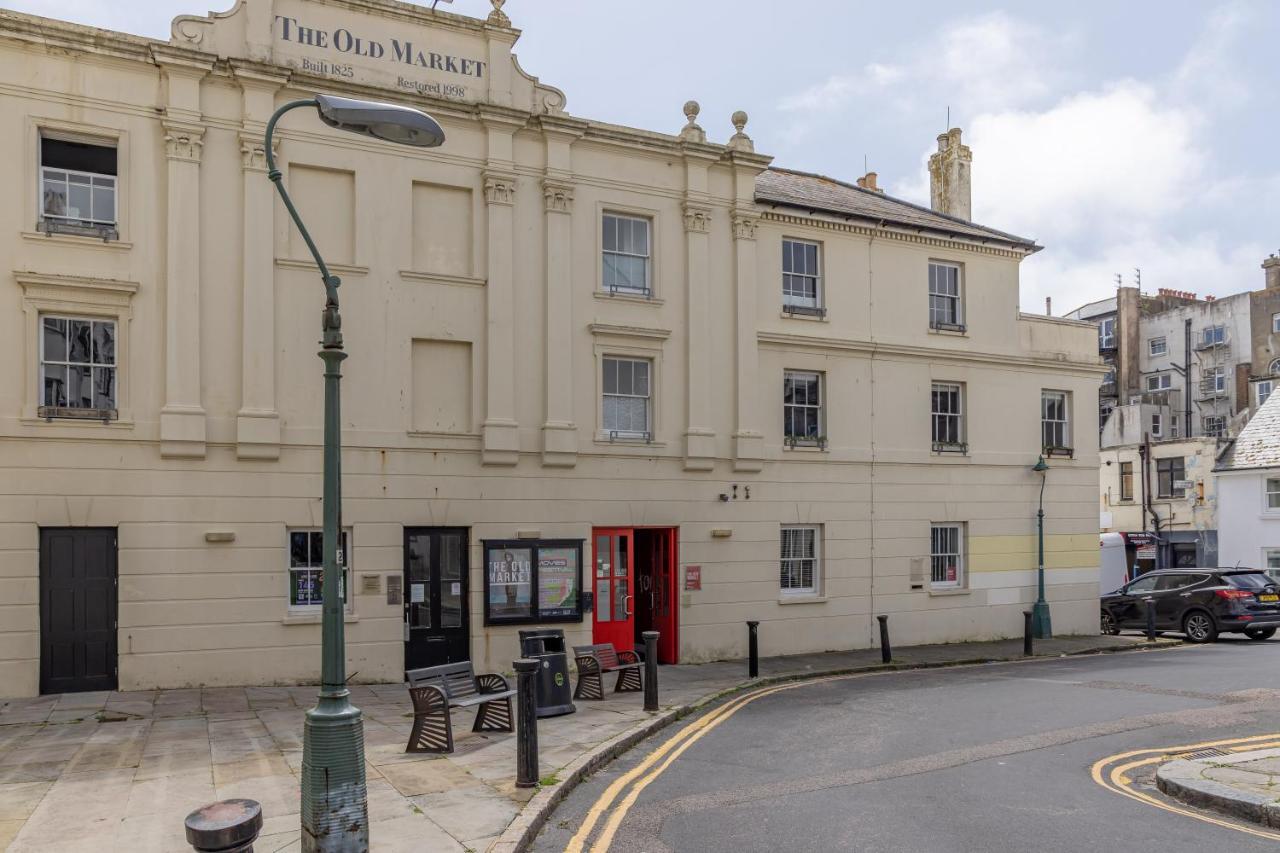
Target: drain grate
[[1201, 753]]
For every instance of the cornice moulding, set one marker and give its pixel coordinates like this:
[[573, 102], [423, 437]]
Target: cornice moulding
[[612, 330]]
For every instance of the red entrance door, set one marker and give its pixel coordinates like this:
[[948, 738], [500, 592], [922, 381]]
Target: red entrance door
[[613, 556]]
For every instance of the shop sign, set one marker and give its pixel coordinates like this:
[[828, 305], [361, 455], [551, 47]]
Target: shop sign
[[692, 578]]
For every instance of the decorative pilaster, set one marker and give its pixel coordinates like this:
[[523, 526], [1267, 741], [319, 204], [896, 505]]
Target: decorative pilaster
[[748, 442], [501, 442], [700, 450], [258, 420], [559, 432]]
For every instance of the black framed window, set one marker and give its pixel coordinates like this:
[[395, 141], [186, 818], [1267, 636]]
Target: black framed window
[[532, 580], [1168, 473]]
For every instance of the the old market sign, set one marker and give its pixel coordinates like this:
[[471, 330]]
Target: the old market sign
[[383, 43]]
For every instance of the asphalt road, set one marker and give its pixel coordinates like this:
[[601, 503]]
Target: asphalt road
[[987, 758]]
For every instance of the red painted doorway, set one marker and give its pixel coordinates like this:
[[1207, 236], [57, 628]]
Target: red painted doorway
[[634, 588]]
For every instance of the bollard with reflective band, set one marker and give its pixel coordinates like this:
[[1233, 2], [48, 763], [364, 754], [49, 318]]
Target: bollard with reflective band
[[886, 651], [753, 650], [1151, 619], [526, 723], [650, 670], [229, 826], [1027, 632]]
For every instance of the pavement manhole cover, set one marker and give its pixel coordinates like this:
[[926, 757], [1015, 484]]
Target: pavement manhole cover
[[1201, 753]]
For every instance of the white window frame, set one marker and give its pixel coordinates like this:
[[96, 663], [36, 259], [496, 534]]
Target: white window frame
[[958, 443], [1173, 426], [1273, 369], [1107, 333], [95, 180], [70, 409], [1219, 376], [1157, 425], [940, 552], [1163, 346], [317, 564], [1061, 427], [1213, 335], [1268, 554], [1275, 322], [796, 302], [646, 291], [819, 440], [1271, 494], [629, 434], [1258, 390], [1163, 381], [1218, 427], [953, 302], [811, 552]]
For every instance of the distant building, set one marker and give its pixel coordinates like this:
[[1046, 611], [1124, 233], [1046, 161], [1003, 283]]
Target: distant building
[[1248, 476]]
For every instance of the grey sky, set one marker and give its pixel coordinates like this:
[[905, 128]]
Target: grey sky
[[1120, 135]]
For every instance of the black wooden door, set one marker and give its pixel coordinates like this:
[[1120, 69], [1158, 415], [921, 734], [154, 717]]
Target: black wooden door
[[77, 609], [435, 596]]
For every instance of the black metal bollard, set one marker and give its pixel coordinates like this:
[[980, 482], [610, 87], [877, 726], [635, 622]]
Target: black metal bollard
[[753, 650], [526, 724], [886, 652], [650, 670], [1027, 648], [1151, 620], [229, 826]]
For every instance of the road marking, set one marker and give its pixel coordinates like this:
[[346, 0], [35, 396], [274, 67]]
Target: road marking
[[1117, 781]]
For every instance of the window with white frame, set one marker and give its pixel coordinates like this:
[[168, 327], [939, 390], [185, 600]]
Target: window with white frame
[[1173, 426], [946, 310], [801, 559], [946, 555], [1160, 382], [627, 393], [802, 421], [1055, 431], [1157, 425], [306, 568], [77, 183], [1273, 369], [77, 367], [1262, 390], [801, 276], [1213, 335], [1107, 333], [1275, 322], [1215, 426], [1157, 346], [947, 414], [1216, 380], [626, 252], [1271, 562], [1273, 492]]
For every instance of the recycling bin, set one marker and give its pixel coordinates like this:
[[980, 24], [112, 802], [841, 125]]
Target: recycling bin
[[546, 646]]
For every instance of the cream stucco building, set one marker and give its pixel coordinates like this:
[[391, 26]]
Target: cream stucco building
[[600, 378]]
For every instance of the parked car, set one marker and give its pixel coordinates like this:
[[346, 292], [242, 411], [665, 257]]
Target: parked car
[[1200, 603]]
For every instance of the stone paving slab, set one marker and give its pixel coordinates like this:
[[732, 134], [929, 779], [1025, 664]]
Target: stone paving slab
[[1244, 784], [120, 770]]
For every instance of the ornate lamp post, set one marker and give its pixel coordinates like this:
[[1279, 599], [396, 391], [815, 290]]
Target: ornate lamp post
[[335, 810], [1041, 627]]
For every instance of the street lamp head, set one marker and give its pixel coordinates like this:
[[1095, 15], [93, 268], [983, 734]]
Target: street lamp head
[[390, 122], [1040, 467]]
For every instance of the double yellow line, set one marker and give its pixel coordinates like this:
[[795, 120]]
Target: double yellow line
[[639, 777], [1112, 773]]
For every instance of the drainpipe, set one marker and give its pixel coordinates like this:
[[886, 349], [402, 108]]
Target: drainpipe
[[1186, 379]]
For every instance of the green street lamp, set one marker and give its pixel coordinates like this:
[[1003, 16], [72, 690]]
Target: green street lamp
[[335, 808], [1041, 627]]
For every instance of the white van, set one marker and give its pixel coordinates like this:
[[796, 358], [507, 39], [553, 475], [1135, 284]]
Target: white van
[[1113, 563]]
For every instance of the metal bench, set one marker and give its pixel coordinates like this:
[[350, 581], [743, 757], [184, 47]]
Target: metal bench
[[436, 689], [594, 661]]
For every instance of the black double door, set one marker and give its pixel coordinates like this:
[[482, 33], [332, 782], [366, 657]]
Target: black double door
[[77, 609], [435, 596]]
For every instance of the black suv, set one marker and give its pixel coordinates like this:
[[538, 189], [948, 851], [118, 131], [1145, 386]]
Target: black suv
[[1200, 603]]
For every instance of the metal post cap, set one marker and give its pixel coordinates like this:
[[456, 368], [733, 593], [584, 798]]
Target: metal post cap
[[224, 825], [752, 623], [525, 665], [648, 634], [884, 618]]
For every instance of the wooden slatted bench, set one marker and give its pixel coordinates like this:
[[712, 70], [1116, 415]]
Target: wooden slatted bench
[[594, 661], [437, 689]]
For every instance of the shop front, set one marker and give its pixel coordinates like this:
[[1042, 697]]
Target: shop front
[[634, 588]]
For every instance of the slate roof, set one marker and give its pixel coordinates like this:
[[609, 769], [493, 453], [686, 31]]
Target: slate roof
[[807, 191], [1258, 444]]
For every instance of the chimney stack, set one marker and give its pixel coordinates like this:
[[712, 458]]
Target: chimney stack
[[868, 182], [1272, 267], [1048, 306], [949, 169]]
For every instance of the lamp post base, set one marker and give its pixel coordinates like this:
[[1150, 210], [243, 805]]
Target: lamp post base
[[1041, 627], [335, 810]]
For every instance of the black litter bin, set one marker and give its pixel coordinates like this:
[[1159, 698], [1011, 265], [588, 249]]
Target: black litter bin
[[546, 645]]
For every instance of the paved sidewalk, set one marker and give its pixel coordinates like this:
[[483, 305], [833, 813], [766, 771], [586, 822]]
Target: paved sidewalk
[[114, 771], [1244, 784]]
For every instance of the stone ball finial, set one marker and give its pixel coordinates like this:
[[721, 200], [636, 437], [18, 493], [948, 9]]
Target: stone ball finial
[[691, 131], [497, 17], [739, 120], [740, 141], [691, 110]]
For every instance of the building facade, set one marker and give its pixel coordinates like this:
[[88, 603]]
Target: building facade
[[599, 378], [1249, 494]]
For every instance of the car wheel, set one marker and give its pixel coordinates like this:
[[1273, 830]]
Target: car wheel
[[1108, 623], [1260, 633], [1199, 627]]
